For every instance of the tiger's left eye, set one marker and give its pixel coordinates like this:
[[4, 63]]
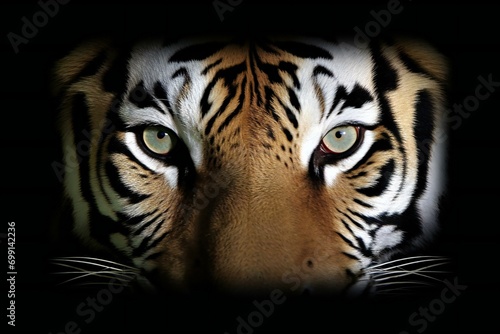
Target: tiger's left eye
[[158, 139], [341, 139]]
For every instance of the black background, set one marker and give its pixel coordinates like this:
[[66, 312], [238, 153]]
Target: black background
[[466, 33]]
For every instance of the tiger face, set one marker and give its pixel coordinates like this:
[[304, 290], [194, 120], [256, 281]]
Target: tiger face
[[248, 165]]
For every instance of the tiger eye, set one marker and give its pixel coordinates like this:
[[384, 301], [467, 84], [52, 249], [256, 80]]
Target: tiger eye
[[159, 139], [340, 139]]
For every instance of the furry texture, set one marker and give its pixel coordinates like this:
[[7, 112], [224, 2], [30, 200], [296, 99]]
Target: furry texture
[[249, 193]]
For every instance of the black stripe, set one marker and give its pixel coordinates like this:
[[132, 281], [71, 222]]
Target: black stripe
[[319, 69], [131, 220], [148, 242], [346, 240], [408, 221], [385, 79], [360, 174], [351, 275], [340, 94], [352, 219], [229, 75], [382, 182], [385, 76], [255, 81], [141, 98], [412, 65], [303, 50], [196, 52], [288, 135], [157, 240], [113, 174], [423, 129], [92, 67], [81, 126], [101, 227], [225, 103], [361, 244], [149, 222], [153, 256], [290, 115], [180, 72], [356, 98], [116, 146], [161, 94], [293, 99], [382, 144], [110, 126], [115, 78], [269, 95], [210, 66], [236, 110], [362, 203], [291, 69], [272, 71], [351, 256], [270, 134]]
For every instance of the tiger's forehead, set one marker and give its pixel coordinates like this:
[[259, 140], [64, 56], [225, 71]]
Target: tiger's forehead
[[203, 88]]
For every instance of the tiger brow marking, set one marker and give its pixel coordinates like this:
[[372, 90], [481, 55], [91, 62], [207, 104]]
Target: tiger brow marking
[[161, 96], [146, 100], [340, 94], [238, 108], [199, 51], [228, 75], [321, 70], [356, 98]]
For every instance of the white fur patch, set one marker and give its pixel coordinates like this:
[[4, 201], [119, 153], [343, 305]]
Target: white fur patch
[[386, 237]]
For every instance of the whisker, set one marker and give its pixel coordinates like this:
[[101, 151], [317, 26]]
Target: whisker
[[404, 271], [79, 270], [399, 274], [428, 257], [84, 260], [96, 274], [116, 275], [105, 270], [404, 282], [100, 283], [444, 261]]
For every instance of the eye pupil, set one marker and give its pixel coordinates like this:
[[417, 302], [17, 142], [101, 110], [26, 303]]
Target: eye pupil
[[339, 134], [161, 134]]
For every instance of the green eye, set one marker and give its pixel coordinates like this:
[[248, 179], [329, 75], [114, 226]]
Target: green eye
[[159, 139], [340, 139]]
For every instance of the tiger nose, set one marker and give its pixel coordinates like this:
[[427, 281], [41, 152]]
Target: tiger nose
[[261, 246]]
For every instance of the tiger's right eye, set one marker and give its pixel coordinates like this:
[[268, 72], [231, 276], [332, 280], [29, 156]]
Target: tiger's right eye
[[159, 139]]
